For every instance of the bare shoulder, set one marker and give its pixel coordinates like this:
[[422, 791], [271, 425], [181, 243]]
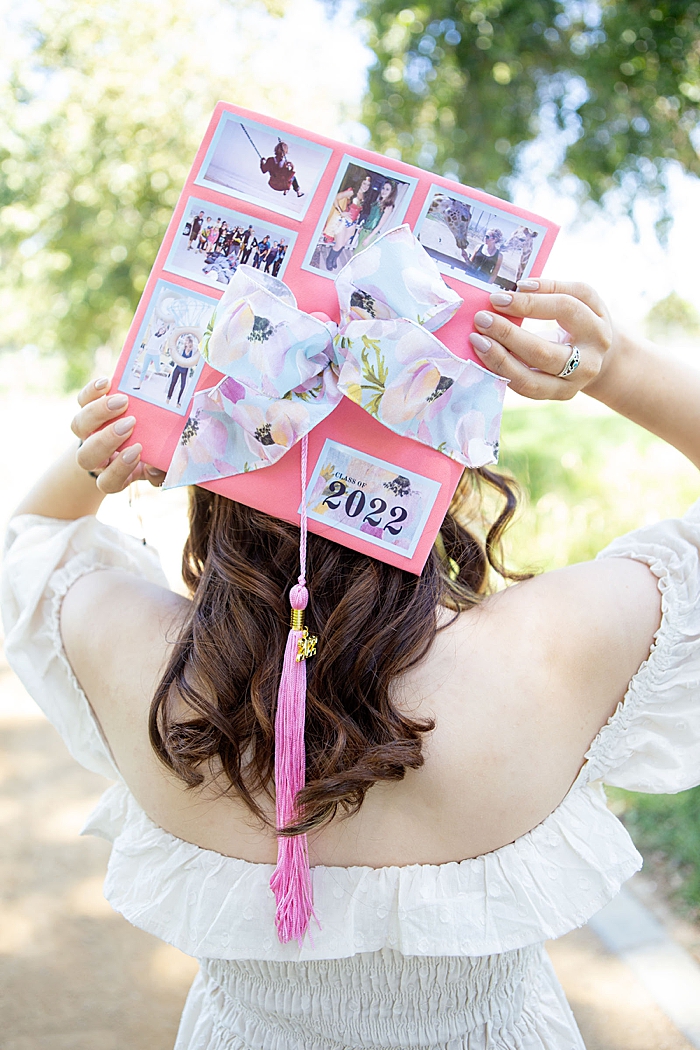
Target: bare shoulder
[[118, 628], [590, 625]]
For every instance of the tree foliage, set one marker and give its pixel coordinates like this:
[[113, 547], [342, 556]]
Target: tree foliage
[[461, 86], [672, 317], [99, 121]]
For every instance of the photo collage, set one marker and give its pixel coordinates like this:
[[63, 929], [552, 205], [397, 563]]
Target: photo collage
[[250, 163]]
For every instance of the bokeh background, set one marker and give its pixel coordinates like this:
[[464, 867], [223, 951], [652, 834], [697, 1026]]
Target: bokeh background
[[585, 111]]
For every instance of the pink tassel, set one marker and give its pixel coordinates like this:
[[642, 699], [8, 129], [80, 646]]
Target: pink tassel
[[291, 879]]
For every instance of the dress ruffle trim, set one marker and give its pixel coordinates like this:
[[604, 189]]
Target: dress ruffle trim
[[652, 741], [543, 885]]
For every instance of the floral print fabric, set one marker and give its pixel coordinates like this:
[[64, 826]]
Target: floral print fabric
[[285, 371]]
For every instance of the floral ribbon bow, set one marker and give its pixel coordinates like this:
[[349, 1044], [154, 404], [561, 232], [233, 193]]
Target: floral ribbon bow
[[285, 370]]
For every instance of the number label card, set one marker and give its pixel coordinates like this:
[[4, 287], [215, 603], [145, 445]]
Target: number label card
[[366, 497]]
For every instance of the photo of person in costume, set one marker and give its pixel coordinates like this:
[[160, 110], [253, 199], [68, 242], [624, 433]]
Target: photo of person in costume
[[224, 241], [442, 738], [165, 363], [366, 203], [260, 164], [478, 244]]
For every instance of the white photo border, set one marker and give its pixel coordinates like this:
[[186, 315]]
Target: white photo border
[[162, 285], [511, 217], [201, 180], [345, 161], [245, 219]]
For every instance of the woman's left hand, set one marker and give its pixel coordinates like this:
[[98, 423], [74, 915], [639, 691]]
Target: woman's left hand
[[99, 443]]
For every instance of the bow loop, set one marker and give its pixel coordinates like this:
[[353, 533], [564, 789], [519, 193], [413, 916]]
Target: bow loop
[[263, 339], [395, 277]]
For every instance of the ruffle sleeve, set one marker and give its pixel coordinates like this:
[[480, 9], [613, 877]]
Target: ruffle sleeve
[[43, 559], [652, 742]]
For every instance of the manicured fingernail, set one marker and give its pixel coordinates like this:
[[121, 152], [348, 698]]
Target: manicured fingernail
[[125, 425], [480, 342], [528, 285], [131, 454], [117, 401], [101, 383], [484, 319], [501, 299], [153, 471]]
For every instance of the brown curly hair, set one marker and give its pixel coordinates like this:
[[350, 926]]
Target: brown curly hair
[[374, 623]]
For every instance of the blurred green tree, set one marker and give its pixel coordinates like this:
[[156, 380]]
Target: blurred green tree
[[100, 117], [461, 86], [672, 316]]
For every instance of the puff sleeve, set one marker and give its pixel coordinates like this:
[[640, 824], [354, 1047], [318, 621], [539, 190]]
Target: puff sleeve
[[652, 742], [43, 558]]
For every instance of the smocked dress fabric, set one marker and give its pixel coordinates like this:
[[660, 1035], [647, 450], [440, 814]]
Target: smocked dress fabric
[[431, 956]]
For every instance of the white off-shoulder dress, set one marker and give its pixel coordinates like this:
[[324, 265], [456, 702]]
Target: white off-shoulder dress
[[439, 956]]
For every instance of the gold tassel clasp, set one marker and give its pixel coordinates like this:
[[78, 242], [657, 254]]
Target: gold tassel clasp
[[306, 646]]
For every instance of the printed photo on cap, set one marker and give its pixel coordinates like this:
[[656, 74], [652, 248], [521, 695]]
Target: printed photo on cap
[[475, 242], [212, 241], [165, 361], [256, 163], [365, 201]]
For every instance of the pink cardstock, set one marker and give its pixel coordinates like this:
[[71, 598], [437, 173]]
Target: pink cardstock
[[191, 271]]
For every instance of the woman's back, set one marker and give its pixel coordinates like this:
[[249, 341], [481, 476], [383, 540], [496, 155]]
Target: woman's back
[[519, 686], [434, 899]]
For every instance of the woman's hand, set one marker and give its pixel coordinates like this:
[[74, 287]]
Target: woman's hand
[[532, 363], [99, 445]]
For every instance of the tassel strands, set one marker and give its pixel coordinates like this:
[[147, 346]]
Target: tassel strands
[[291, 879]]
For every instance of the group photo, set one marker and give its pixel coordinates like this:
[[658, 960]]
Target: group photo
[[364, 202], [165, 361], [279, 172], [211, 241], [476, 243]]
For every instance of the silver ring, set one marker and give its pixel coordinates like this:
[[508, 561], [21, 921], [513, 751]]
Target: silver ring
[[572, 364]]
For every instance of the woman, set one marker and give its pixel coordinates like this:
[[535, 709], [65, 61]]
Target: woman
[[487, 259], [183, 346], [347, 227], [152, 351], [213, 237], [483, 725], [281, 170], [379, 217], [335, 216]]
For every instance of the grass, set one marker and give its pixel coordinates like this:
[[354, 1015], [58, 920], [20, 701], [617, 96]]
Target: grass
[[589, 476], [667, 826]]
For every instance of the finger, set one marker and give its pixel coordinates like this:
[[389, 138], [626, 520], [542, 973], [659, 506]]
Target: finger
[[116, 476], [533, 350], [145, 472], [99, 447], [155, 476], [95, 388], [96, 413], [572, 314], [540, 386], [577, 289]]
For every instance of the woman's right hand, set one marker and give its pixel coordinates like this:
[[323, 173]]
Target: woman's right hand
[[654, 389], [531, 363], [102, 428]]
